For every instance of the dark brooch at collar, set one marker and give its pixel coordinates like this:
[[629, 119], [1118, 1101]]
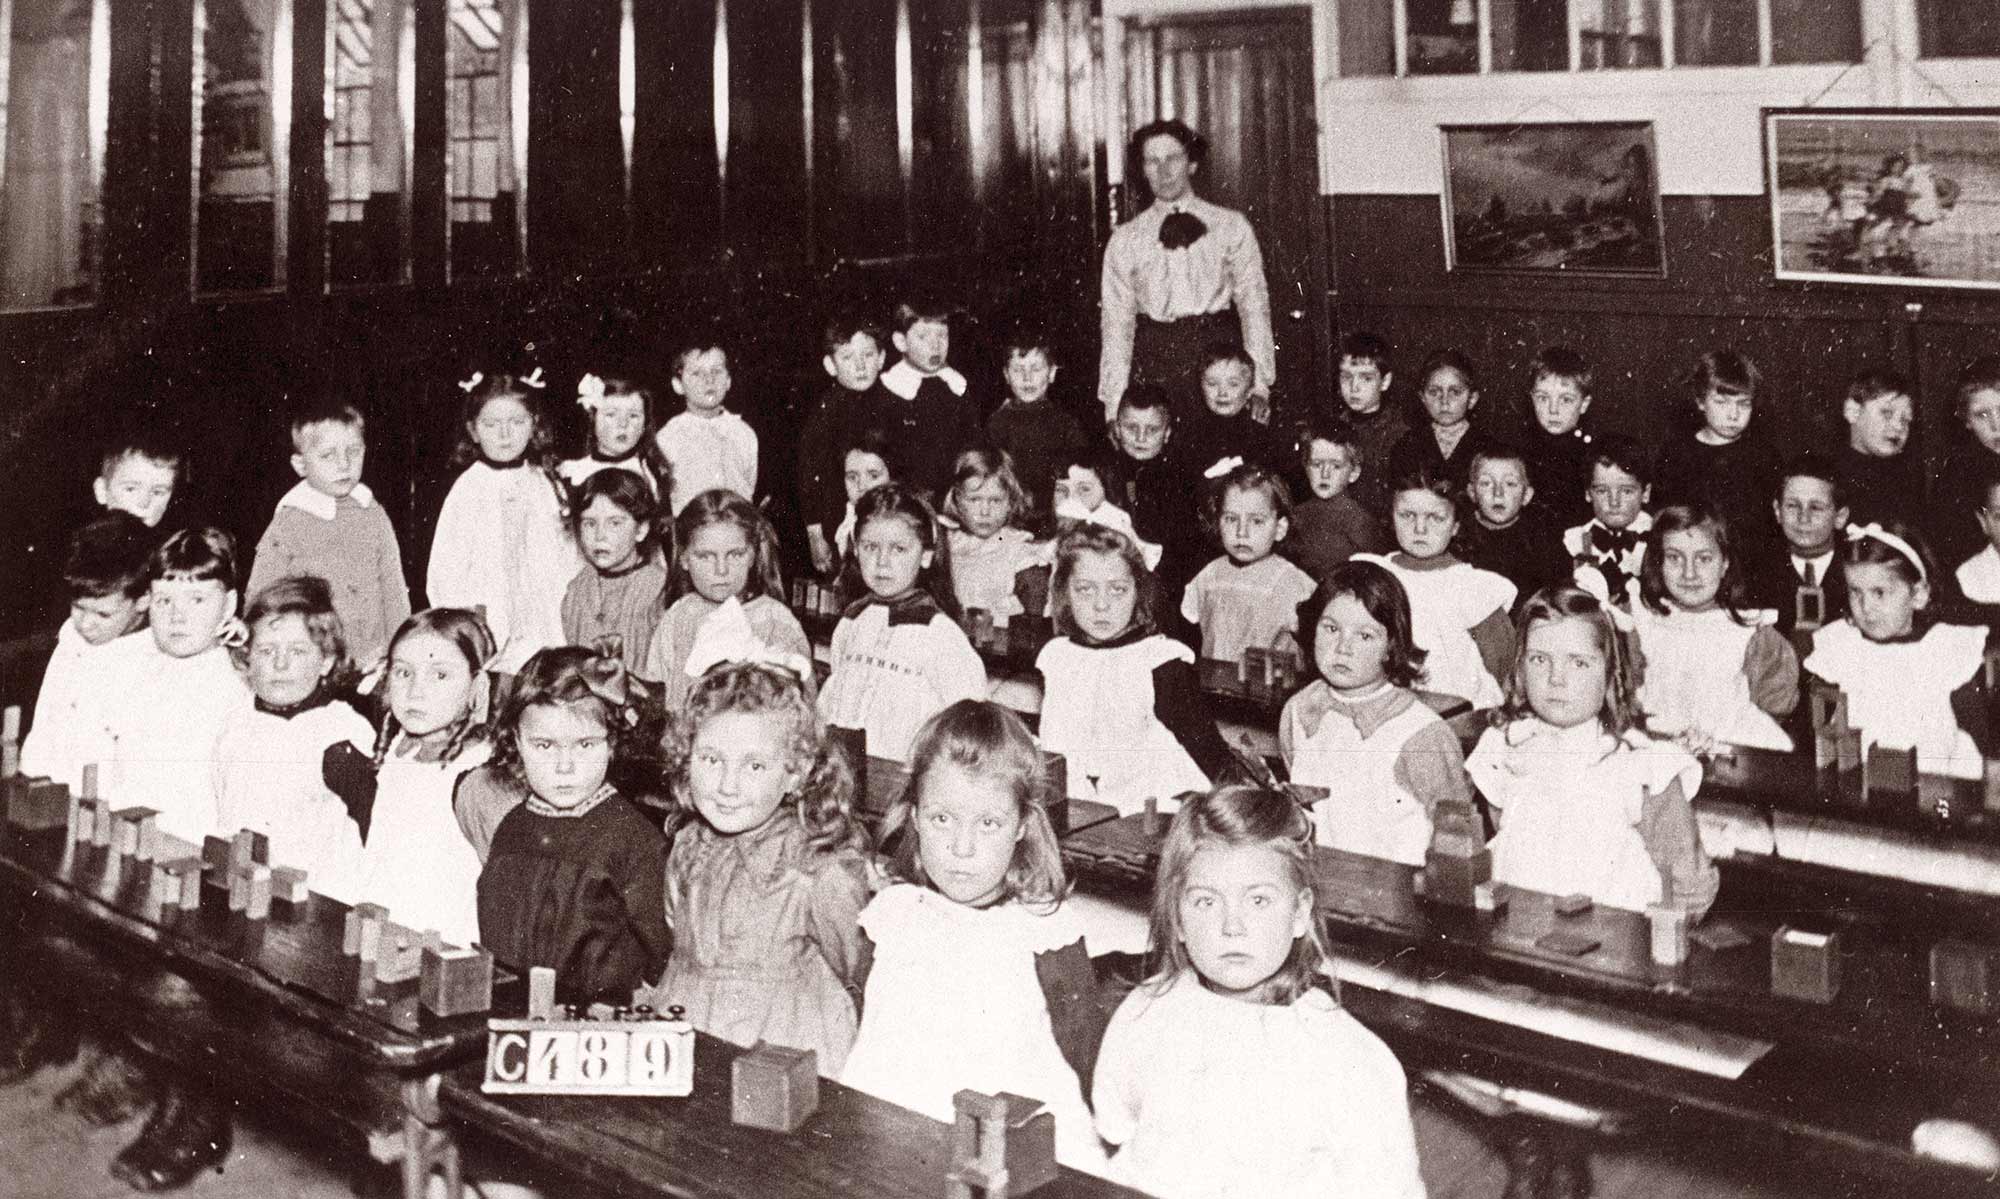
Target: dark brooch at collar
[[1181, 229], [915, 608]]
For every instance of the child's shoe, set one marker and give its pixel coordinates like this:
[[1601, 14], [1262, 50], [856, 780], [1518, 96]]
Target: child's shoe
[[187, 1133]]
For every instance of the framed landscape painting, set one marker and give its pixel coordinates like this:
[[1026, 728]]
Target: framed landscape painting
[[1896, 196], [1578, 198]]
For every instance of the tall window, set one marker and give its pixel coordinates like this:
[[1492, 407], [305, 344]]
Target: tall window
[[366, 140], [54, 92], [242, 143], [485, 95]]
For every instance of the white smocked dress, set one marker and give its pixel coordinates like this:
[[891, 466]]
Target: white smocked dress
[[953, 1002], [1694, 676], [502, 545], [417, 862], [1446, 603], [1899, 692], [1367, 810], [1097, 711], [1570, 802]]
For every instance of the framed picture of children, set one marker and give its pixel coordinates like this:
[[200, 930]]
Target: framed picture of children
[[1571, 198], [1900, 196]]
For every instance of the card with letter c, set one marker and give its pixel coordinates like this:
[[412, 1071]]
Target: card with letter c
[[589, 1057]]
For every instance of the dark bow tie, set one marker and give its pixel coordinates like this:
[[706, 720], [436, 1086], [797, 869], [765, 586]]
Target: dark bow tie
[[1612, 541], [1181, 230]]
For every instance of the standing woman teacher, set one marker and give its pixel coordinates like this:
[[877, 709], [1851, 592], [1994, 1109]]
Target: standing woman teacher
[[1179, 277]]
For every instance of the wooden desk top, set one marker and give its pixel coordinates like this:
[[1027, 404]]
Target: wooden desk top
[[688, 1148], [291, 963]]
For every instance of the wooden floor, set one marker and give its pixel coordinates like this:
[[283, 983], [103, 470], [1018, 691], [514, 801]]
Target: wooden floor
[[47, 1154]]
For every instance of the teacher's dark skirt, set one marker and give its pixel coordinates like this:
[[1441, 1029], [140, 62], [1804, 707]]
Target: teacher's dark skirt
[[1172, 353]]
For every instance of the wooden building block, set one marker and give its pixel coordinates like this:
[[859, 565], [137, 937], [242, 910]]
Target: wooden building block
[[176, 883], [35, 804], [363, 930], [10, 741], [541, 993], [249, 846], [1889, 774], [135, 833], [1001, 1145], [455, 982], [93, 817], [288, 885], [250, 890], [1669, 934], [1458, 868], [399, 954], [1805, 965], [774, 1087], [1847, 752], [1965, 977], [1990, 779], [1576, 904], [1829, 708]]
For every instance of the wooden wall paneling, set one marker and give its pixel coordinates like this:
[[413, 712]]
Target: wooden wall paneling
[[766, 198], [943, 197], [171, 215], [676, 182], [306, 214], [130, 151], [429, 206], [858, 181], [576, 193]]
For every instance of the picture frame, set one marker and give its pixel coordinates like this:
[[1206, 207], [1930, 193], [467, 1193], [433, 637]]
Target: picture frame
[[1564, 198], [1885, 196]]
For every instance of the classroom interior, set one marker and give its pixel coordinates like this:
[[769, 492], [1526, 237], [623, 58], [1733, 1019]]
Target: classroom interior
[[210, 208]]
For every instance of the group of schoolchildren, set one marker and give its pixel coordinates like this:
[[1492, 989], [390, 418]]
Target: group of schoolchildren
[[604, 748]]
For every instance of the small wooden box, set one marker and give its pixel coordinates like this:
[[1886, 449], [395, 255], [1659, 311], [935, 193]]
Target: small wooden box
[[1889, 774], [455, 982], [35, 804], [363, 930], [1805, 965], [135, 833], [1965, 977], [774, 1087], [1002, 1145]]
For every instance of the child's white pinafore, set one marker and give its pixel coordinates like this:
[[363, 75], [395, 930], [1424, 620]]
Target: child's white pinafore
[[1445, 605], [983, 570], [417, 862], [1694, 676], [1570, 801], [1367, 810], [953, 1002], [1899, 692], [1097, 711]]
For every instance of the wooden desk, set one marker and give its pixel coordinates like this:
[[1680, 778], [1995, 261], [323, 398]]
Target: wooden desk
[[853, 1145], [276, 1011]]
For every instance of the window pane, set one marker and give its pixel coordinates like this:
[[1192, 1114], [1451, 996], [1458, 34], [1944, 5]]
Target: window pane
[[1715, 33], [1444, 37], [1530, 35], [50, 128], [1367, 37], [367, 209], [1815, 31], [1618, 33], [1958, 29], [482, 56], [240, 147]]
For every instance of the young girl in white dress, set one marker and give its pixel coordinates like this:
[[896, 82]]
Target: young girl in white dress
[[1910, 680], [1358, 730], [1715, 672], [503, 542], [996, 566], [977, 963], [1587, 802], [1458, 612], [415, 860], [623, 423], [1249, 596], [1233, 1072], [1120, 700], [898, 653]]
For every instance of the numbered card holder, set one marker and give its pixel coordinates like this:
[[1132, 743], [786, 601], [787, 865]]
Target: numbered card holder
[[589, 1057]]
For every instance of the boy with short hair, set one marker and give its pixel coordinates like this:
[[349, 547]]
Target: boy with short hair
[[1557, 448], [1979, 575], [1158, 491], [329, 525], [707, 446], [1509, 534], [106, 577], [1034, 431], [1811, 510], [1378, 423], [1880, 481], [854, 353], [1612, 543], [929, 412], [1331, 526], [139, 474], [1224, 427]]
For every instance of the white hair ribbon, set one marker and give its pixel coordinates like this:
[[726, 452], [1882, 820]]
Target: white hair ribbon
[[1591, 580], [726, 637], [1110, 516], [1222, 467], [534, 379], [471, 381], [1875, 532], [589, 392]]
